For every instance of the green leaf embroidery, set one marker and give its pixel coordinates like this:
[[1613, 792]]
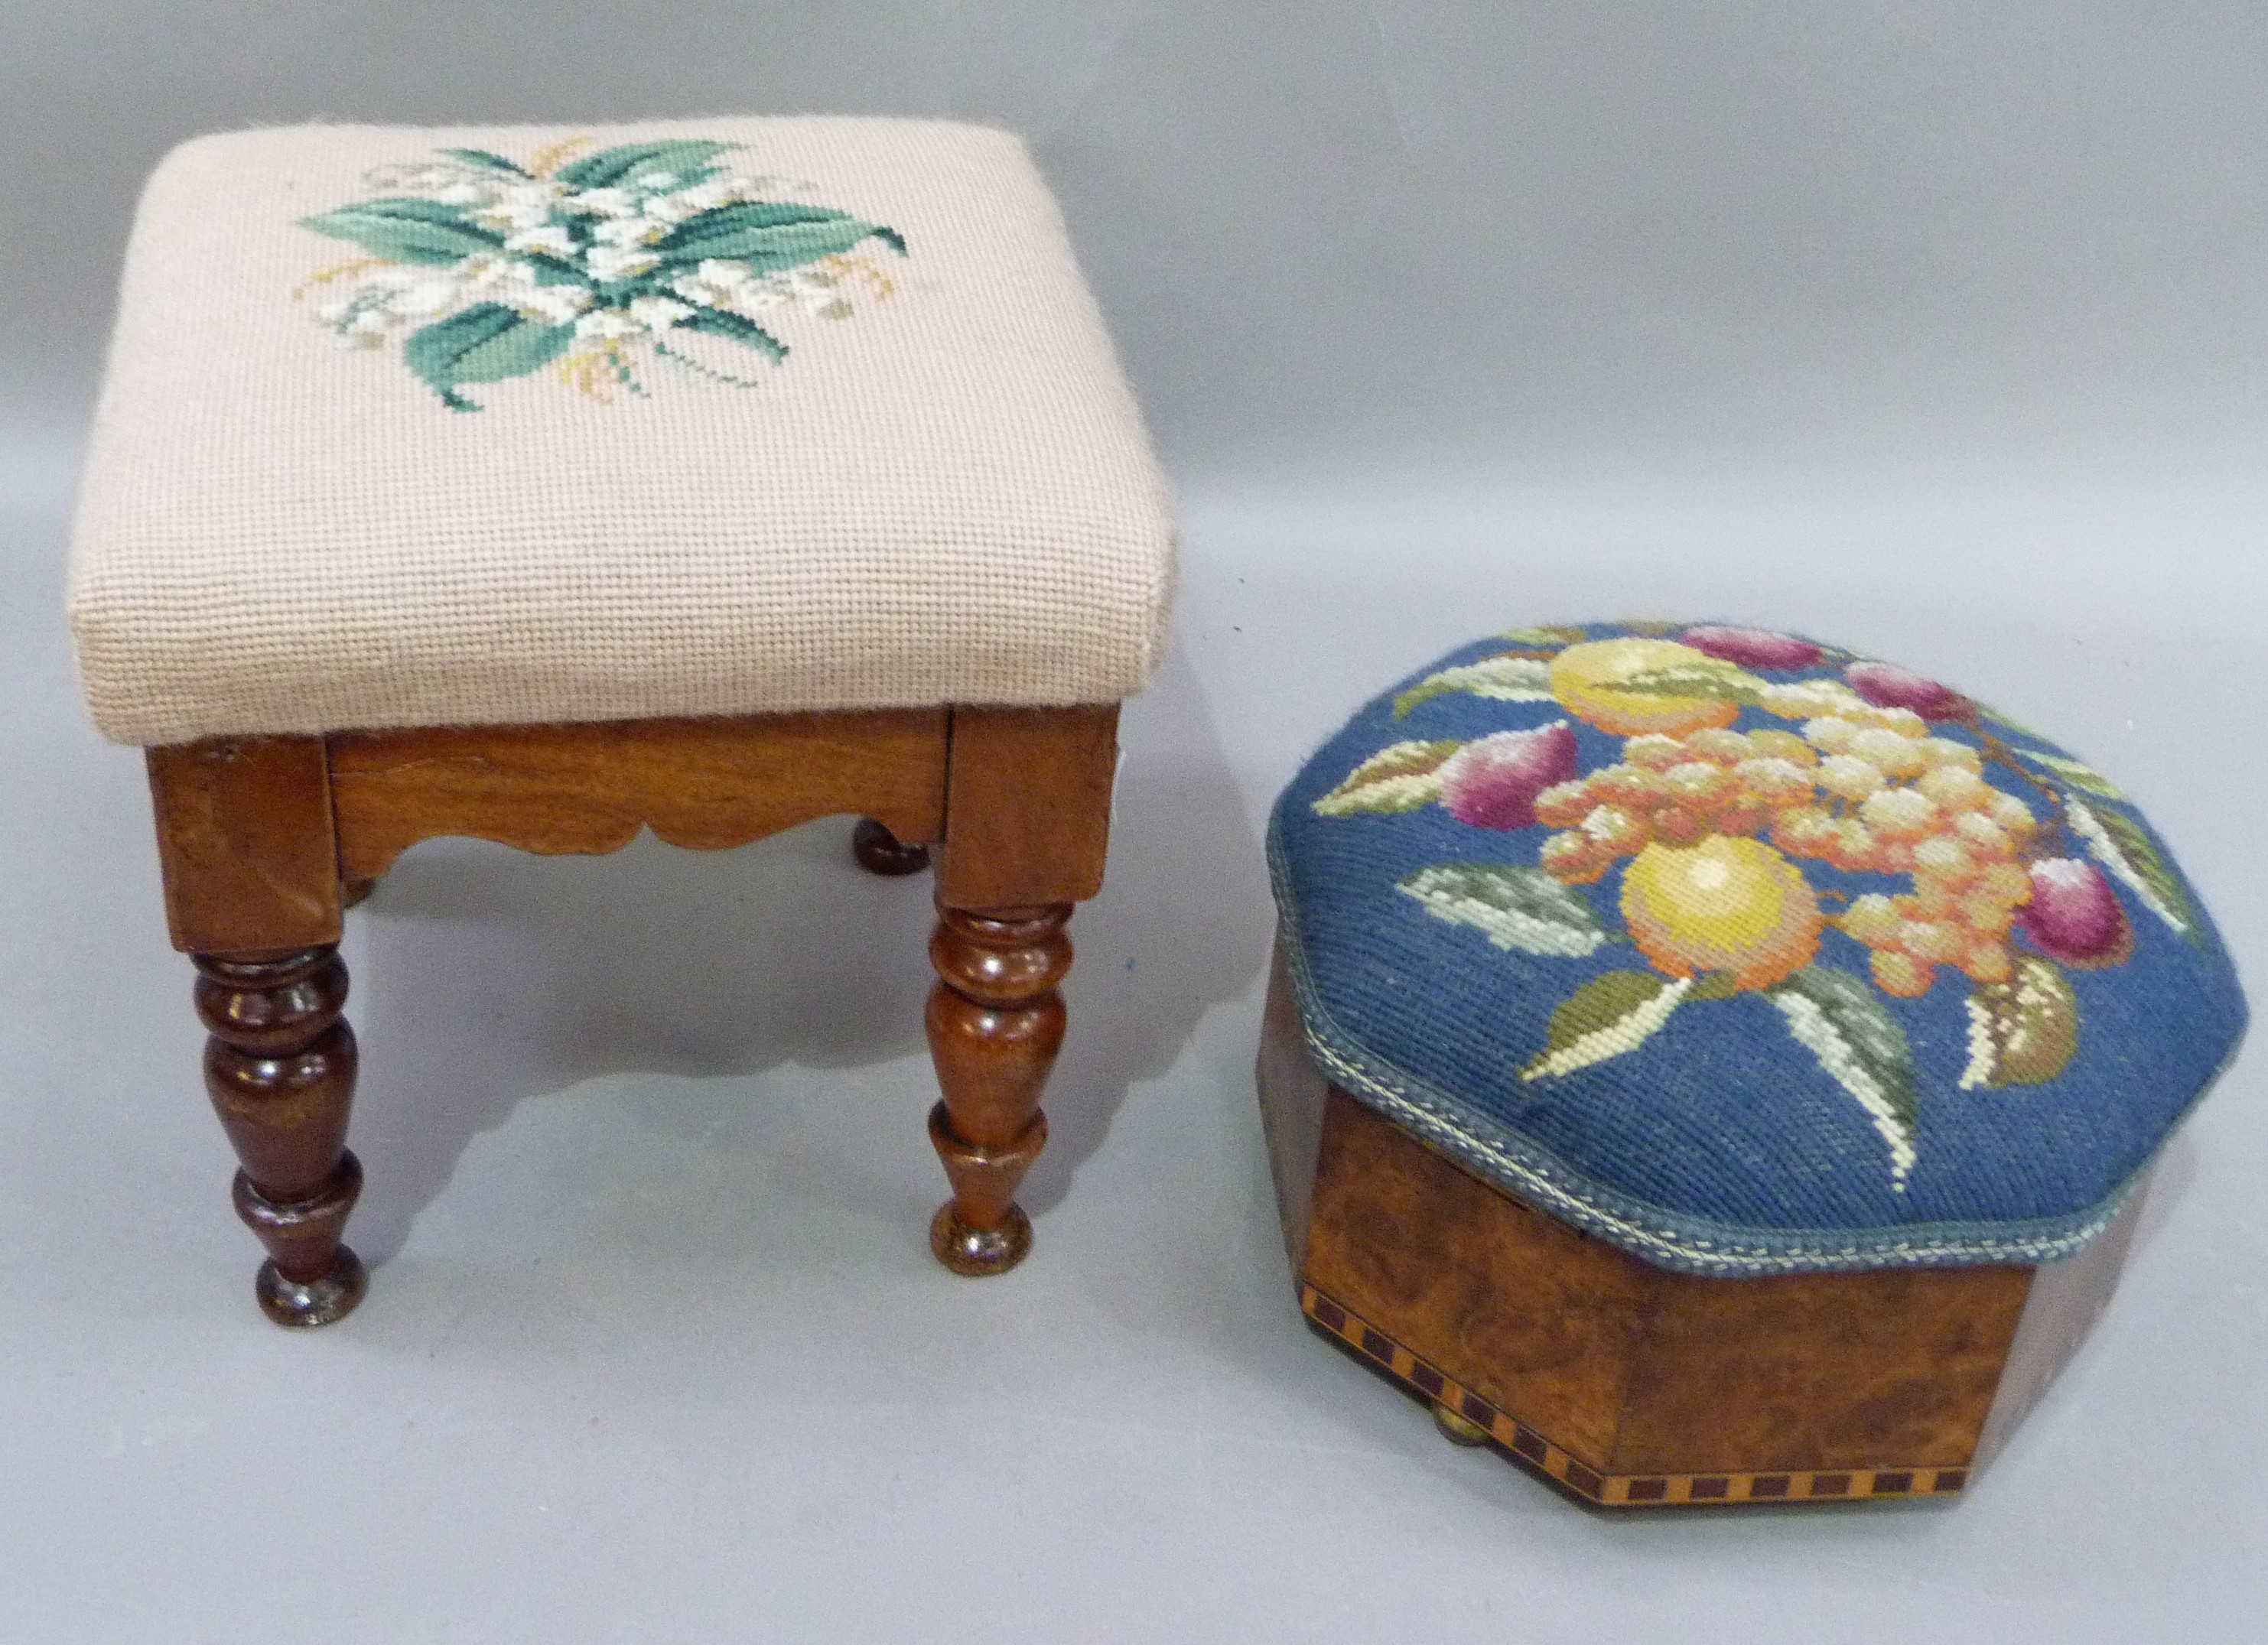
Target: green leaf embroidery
[[719, 265], [1836, 1016], [2119, 842], [423, 232], [484, 343], [483, 157], [1504, 679], [1518, 907], [719, 324], [2077, 773], [768, 236], [683, 160], [1717, 682], [1549, 635], [1399, 777], [549, 270], [1605, 1017], [2022, 1032]]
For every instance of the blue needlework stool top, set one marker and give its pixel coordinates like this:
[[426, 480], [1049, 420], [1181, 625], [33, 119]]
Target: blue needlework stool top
[[1746, 953]]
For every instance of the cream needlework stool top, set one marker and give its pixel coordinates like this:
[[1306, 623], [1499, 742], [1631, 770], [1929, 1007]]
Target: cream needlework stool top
[[410, 426]]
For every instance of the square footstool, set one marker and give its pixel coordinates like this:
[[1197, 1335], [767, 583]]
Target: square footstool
[[1714, 1066], [546, 484]]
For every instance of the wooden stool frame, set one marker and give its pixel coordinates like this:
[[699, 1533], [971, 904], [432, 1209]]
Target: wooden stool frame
[[263, 841]]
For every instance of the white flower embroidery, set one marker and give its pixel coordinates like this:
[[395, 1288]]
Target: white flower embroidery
[[669, 210], [816, 291], [368, 328], [429, 299], [608, 324], [601, 202], [552, 237], [582, 260], [715, 283], [623, 232], [610, 263], [706, 196], [554, 303], [658, 313]]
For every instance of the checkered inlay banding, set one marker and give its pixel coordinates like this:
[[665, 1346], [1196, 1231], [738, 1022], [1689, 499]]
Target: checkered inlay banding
[[1617, 1490]]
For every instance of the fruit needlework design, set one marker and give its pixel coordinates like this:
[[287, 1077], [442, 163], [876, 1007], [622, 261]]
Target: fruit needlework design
[[1750, 762], [594, 264]]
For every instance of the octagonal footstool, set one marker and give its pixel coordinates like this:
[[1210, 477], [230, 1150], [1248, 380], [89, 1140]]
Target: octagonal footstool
[[1716, 1068], [543, 484]]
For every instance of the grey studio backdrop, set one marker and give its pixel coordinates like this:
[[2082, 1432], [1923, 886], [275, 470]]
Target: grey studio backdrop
[[1937, 328]]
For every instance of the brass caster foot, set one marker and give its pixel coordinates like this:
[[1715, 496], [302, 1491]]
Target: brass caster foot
[[880, 851], [1458, 1428], [977, 1251], [318, 1302]]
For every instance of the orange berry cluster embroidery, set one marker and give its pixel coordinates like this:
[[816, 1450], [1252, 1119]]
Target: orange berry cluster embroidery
[[1867, 770]]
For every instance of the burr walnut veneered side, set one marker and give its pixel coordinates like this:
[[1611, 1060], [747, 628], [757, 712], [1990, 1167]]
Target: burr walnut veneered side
[[1632, 1385]]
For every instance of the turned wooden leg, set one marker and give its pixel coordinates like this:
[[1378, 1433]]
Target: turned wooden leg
[[995, 1024], [280, 1067], [880, 851]]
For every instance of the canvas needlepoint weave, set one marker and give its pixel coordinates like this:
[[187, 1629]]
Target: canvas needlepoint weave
[[408, 426], [1748, 953]]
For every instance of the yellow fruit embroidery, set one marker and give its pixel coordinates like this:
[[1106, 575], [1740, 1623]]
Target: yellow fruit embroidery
[[1726, 905], [1584, 679], [1877, 772]]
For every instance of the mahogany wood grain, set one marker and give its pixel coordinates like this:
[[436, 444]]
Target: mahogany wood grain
[[280, 1068], [245, 843], [1027, 805], [705, 784], [263, 841], [996, 1023]]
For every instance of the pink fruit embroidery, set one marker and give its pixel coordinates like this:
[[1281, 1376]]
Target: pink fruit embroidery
[[1493, 782], [1752, 648], [2073, 915], [1887, 685]]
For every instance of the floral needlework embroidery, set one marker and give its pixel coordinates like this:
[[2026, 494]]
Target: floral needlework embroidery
[[488, 269], [1751, 764]]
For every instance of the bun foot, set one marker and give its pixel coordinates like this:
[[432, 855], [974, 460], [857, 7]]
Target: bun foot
[[880, 851], [317, 1302], [977, 1251], [1458, 1428]]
